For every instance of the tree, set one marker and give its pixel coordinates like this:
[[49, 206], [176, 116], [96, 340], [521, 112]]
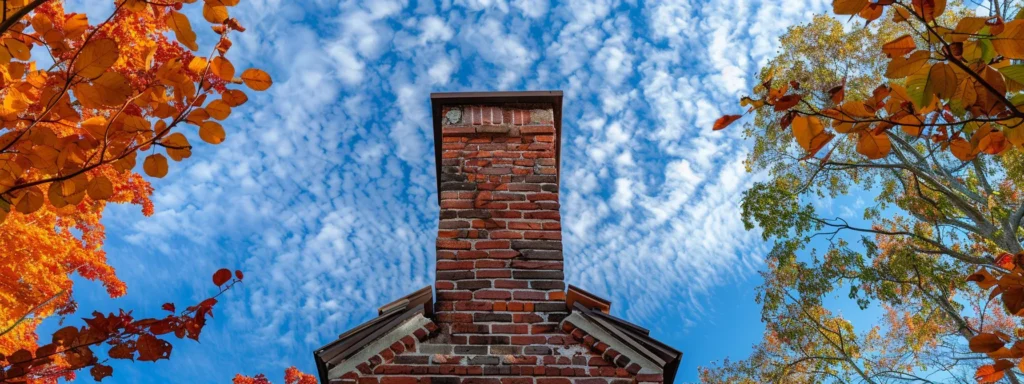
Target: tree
[[292, 375], [124, 337], [81, 102], [921, 108]]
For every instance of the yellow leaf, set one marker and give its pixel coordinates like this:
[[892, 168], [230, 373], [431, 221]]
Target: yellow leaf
[[155, 165], [256, 79], [218, 109], [178, 147], [873, 146], [215, 14], [182, 29], [234, 97], [197, 65], [31, 199], [222, 68], [95, 58], [100, 188], [943, 79], [1010, 43], [1015, 136], [969, 25], [18, 49], [212, 132]]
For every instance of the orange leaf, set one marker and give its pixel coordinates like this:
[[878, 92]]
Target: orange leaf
[[810, 133], [929, 9], [900, 46], [988, 374], [256, 79], [943, 80], [155, 165], [986, 343], [962, 149], [724, 121], [874, 146], [848, 7], [95, 58], [182, 29], [222, 68]]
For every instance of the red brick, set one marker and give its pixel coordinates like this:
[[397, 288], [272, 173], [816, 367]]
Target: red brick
[[493, 244]]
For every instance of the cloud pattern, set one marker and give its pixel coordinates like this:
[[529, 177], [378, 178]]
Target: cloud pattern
[[324, 192]]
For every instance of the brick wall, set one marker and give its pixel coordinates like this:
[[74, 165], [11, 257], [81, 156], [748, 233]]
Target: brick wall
[[499, 247]]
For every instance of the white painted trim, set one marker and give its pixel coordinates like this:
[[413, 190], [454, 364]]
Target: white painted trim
[[384, 342], [646, 366]]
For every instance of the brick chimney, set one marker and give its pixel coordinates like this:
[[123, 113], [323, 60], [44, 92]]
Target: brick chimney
[[499, 239], [503, 313]]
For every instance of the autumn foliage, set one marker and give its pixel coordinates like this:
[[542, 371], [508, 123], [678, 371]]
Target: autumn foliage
[[959, 88], [292, 375], [84, 99], [920, 110]]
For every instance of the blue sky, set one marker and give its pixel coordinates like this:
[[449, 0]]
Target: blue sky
[[324, 191]]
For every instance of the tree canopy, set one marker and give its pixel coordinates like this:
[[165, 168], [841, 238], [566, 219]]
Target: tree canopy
[[919, 109]]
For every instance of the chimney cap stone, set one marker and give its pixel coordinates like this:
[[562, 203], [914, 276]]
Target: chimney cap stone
[[438, 100]]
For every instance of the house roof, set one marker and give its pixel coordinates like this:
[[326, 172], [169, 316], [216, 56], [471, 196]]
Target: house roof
[[626, 334], [390, 316], [440, 99]]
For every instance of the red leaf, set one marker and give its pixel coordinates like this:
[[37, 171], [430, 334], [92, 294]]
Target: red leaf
[[721, 123], [238, 274], [837, 94], [100, 371], [787, 102], [221, 276], [152, 349], [1005, 260], [169, 307], [985, 343]]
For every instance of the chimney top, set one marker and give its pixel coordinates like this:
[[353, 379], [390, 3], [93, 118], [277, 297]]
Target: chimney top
[[438, 100]]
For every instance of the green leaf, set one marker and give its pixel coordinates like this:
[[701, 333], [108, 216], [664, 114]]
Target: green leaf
[[1013, 72], [920, 89]]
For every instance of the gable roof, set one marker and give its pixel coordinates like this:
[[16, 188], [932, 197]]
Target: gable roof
[[390, 316], [621, 333]]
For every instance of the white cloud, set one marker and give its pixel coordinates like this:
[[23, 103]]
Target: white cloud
[[324, 190]]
